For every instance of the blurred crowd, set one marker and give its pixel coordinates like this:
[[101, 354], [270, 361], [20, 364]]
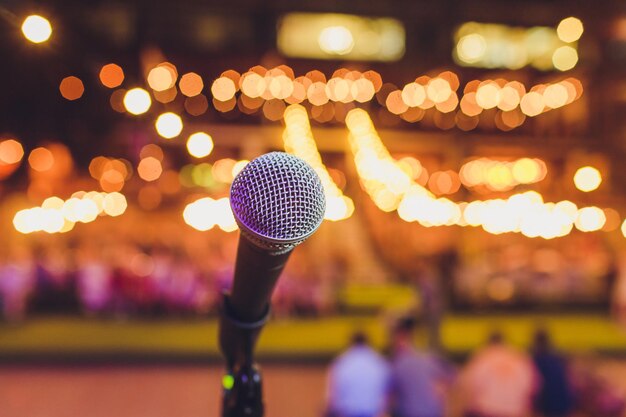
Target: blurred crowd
[[127, 279], [581, 270], [123, 275], [498, 380]]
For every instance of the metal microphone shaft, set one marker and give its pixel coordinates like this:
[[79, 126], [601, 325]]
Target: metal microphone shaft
[[250, 298]]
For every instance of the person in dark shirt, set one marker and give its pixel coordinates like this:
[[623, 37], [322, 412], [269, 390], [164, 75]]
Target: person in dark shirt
[[555, 397], [419, 379]]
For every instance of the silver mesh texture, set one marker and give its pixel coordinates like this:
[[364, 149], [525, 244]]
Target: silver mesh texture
[[278, 201]]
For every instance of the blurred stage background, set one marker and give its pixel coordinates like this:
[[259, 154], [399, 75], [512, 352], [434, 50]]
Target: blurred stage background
[[471, 153]]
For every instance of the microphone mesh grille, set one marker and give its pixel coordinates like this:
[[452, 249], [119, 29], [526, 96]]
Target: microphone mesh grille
[[278, 201]]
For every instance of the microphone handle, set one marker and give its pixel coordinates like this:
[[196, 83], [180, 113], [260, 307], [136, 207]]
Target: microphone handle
[[246, 309], [256, 273]]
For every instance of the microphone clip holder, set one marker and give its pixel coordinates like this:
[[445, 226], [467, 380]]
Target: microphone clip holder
[[242, 385]]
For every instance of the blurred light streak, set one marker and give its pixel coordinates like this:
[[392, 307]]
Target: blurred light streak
[[299, 141], [58, 216]]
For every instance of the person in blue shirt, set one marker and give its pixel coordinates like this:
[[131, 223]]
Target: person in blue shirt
[[555, 397], [419, 379], [358, 382]]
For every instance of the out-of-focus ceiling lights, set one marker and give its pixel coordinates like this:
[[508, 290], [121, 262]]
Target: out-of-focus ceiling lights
[[489, 45], [340, 36]]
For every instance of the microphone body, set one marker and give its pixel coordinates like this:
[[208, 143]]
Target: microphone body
[[250, 297], [245, 310], [278, 202]]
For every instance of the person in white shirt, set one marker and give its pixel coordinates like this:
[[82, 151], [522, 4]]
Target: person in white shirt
[[499, 381]]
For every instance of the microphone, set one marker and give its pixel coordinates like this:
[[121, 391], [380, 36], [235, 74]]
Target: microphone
[[278, 202]]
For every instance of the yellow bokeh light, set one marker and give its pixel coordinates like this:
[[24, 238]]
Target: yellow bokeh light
[[137, 101], [316, 93], [509, 98], [471, 48], [395, 104], [36, 29], [222, 170], [565, 58], [526, 171], [161, 78], [339, 208], [532, 104], [488, 95], [570, 29], [169, 125], [58, 216], [80, 210], [438, 90], [336, 40], [115, 204], [11, 151], [191, 84], [199, 144], [587, 179], [590, 219], [149, 169], [53, 202], [252, 84], [469, 106], [41, 159], [199, 214], [281, 87], [223, 89], [623, 228], [555, 96]]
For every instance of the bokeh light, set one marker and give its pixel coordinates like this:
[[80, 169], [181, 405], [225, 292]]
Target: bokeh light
[[590, 219], [161, 78], [149, 169], [111, 75], [199, 144], [565, 58], [169, 125], [223, 89], [115, 204], [570, 29], [191, 84], [11, 152], [336, 40], [137, 101], [71, 88], [36, 29], [41, 159], [587, 179]]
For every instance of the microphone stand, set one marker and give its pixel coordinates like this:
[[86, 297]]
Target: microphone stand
[[242, 394]]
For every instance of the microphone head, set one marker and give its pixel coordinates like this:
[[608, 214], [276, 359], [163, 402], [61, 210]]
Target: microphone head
[[278, 201]]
